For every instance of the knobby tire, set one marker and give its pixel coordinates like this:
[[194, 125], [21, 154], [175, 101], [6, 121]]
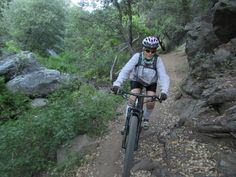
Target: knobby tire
[[129, 152]]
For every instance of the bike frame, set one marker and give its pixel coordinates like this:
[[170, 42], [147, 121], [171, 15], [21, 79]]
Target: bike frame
[[135, 110], [133, 128]]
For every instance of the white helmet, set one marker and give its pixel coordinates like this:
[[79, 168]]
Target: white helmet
[[150, 42]]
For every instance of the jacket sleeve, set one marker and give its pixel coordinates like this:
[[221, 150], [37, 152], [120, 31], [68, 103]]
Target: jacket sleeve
[[126, 70], [163, 78]]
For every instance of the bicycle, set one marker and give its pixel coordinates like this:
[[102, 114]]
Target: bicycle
[[133, 127]]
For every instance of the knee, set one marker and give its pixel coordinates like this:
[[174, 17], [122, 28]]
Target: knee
[[150, 105]]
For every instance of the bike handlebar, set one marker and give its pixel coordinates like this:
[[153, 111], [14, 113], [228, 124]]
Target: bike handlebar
[[125, 94]]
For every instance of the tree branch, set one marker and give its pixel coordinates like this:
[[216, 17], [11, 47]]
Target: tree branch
[[116, 57], [114, 62]]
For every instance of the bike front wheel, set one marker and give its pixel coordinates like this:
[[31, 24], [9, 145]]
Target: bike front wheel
[[130, 146]]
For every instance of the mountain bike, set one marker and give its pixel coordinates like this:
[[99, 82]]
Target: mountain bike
[[133, 127]]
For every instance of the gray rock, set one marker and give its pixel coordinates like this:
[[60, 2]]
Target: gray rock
[[25, 74], [230, 122], [200, 38], [18, 64], [227, 164], [78, 146], [146, 164], [37, 83], [220, 54], [39, 102], [223, 24], [192, 87], [163, 172], [210, 86], [222, 96]]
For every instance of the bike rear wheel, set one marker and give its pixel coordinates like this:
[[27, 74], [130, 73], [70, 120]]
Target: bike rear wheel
[[130, 146]]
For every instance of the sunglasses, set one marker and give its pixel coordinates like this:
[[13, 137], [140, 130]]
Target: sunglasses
[[148, 51]]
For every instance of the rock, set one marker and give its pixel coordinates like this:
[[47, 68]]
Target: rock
[[223, 24], [18, 64], [77, 147], [209, 106], [221, 126], [200, 38], [220, 54], [146, 164], [162, 172], [37, 83], [227, 164], [222, 96], [39, 102], [23, 73], [192, 87], [52, 52], [230, 122]]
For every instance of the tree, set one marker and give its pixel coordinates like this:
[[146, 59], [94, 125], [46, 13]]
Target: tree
[[3, 4], [125, 19], [36, 24]]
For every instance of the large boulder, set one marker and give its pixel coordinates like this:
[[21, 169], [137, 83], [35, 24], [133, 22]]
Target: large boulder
[[200, 37], [37, 83], [23, 73], [80, 145], [224, 20], [18, 64], [211, 49], [209, 92]]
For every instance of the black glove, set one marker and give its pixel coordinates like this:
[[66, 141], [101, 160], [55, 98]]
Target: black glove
[[115, 89], [163, 96]]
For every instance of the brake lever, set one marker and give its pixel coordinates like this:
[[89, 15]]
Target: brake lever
[[158, 98]]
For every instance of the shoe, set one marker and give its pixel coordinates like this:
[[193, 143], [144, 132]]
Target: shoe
[[145, 124]]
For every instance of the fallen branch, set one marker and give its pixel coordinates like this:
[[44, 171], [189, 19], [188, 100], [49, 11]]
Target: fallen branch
[[114, 62], [116, 57]]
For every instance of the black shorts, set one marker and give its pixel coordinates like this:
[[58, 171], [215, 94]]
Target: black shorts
[[135, 84]]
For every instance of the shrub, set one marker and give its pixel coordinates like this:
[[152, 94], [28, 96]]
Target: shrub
[[11, 104], [29, 144], [65, 62]]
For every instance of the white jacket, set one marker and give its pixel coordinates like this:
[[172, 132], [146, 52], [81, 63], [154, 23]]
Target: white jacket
[[128, 71]]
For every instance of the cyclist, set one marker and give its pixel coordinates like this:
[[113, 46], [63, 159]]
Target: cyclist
[[145, 70]]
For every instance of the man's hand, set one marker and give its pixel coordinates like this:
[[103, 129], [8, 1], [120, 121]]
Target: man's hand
[[115, 89], [163, 96]]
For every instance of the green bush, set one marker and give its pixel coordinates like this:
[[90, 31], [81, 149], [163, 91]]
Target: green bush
[[11, 46], [65, 62], [37, 25], [29, 144], [11, 104]]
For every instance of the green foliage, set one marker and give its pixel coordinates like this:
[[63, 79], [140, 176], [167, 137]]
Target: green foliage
[[29, 144], [65, 62], [96, 49], [167, 18], [38, 25], [11, 46], [93, 47], [90, 42], [11, 104], [69, 167]]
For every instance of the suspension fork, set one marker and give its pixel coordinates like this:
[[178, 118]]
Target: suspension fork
[[138, 112]]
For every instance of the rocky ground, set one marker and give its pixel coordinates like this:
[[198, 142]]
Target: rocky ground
[[167, 149]]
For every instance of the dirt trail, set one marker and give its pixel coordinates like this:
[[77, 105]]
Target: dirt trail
[[107, 161]]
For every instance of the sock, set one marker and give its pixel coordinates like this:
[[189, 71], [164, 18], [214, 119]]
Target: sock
[[147, 113]]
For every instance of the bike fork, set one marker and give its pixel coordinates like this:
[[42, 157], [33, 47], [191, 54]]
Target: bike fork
[[139, 129], [126, 129]]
